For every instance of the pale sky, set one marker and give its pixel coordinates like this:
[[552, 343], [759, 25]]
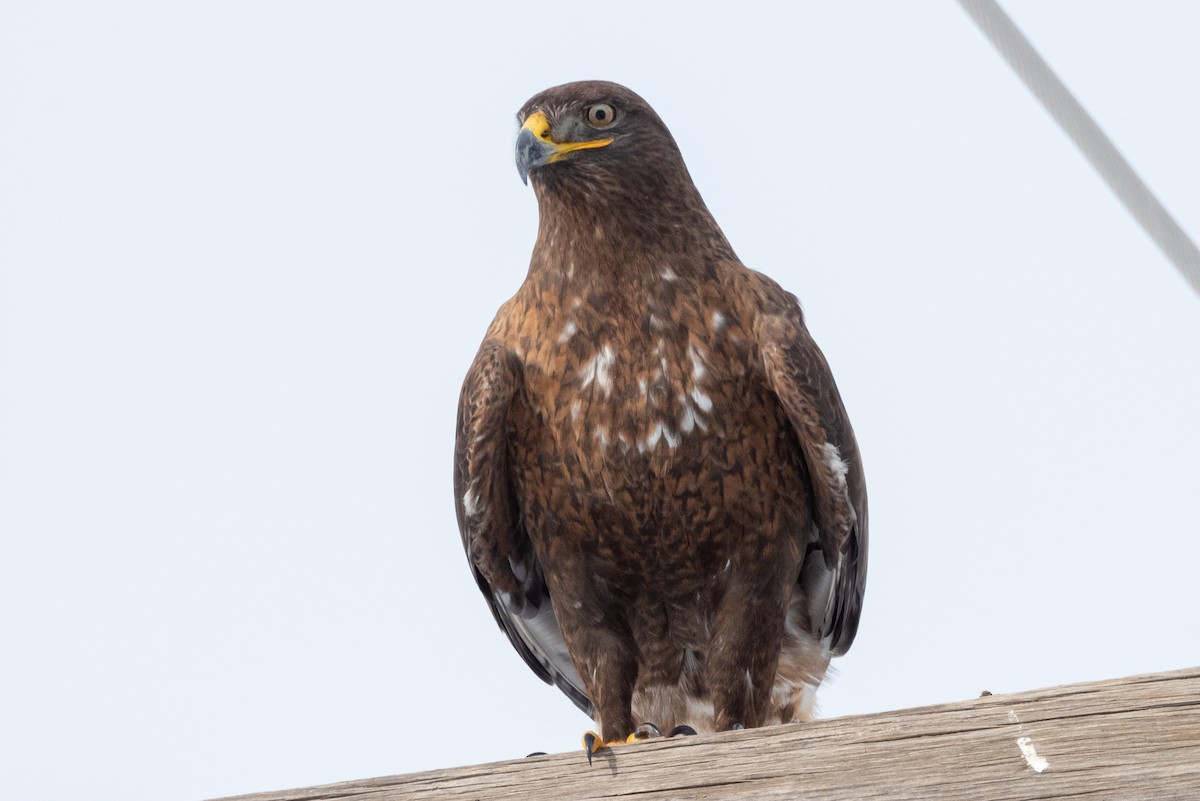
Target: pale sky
[[248, 250]]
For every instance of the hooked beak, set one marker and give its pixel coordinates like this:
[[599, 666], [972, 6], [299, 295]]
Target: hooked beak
[[536, 147]]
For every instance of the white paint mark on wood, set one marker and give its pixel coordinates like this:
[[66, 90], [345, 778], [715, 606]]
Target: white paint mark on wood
[[1031, 755]]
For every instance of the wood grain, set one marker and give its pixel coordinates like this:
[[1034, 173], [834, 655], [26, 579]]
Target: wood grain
[[1131, 738]]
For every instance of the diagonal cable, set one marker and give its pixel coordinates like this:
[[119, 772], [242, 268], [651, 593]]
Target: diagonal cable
[[1088, 137]]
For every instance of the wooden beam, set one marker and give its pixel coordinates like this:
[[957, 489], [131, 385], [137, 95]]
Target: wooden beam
[[1131, 738]]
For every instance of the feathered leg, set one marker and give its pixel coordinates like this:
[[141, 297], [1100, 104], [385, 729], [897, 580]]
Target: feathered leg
[[744, 653]]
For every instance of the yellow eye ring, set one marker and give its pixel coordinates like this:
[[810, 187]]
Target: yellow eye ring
[[600, 115]]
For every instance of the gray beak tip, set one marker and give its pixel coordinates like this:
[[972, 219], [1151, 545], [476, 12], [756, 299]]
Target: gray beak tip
[[531, 152]]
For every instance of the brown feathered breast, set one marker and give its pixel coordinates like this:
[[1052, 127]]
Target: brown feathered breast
[[657, 486]]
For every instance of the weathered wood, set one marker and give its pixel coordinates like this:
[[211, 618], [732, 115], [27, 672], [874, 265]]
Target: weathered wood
[[1131, 738]]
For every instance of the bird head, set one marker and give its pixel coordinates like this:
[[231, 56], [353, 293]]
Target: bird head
[[592, 129]]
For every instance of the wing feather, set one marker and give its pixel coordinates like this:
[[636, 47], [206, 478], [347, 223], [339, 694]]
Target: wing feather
[[501, 556], [796, 371]]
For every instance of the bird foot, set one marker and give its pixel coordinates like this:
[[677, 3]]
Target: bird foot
[[592, 742]]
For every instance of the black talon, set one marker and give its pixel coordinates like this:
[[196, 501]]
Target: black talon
[[646, 731], [685, 730], [535, 753], [589, 743]]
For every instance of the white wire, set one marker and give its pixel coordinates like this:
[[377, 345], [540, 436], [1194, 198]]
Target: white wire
[[1088, 137]]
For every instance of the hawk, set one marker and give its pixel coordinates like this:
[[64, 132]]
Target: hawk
[[657, 486]]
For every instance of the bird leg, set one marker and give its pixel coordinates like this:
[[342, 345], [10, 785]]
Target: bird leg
[[744, 657], [606, 663]]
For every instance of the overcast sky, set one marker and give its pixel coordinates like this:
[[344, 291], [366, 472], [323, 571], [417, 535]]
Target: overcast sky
[[248, 250]]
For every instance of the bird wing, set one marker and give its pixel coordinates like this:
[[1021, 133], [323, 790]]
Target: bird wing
[[799, 376], [498, 548]]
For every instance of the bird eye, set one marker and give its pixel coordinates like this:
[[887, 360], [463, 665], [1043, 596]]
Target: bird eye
[[601, 115]]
